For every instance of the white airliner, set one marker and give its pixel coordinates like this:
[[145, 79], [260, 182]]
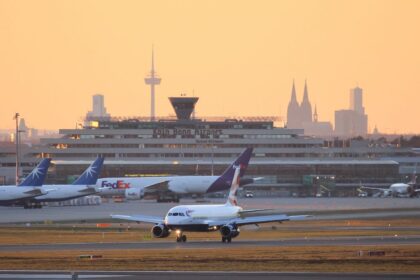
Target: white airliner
[[10, 195], [168, 188], [83, 186], [227, 218], [395, 190], [398, 189]]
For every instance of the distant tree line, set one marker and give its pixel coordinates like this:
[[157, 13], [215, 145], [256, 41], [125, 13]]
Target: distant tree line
[[413, 142]]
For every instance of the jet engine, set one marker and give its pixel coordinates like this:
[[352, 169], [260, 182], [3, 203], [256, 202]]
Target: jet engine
[[160, 231], [134, 193], [229, 231], [387, 193]]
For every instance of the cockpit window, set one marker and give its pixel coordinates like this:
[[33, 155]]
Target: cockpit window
[[169, 214], [175, 214]]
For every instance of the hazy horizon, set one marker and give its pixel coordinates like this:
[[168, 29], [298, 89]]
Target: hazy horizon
[[239, 57]]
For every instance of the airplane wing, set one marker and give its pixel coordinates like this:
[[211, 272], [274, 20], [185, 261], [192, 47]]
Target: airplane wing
[[88, 190], [257, 220], [34, 192], [251, 211], [158, 187], [372, 188], [140, 218]]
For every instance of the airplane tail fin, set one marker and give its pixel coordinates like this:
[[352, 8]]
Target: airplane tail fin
[[225, 180], [413, 180], [91, 174], [37, 176], [232, 198]]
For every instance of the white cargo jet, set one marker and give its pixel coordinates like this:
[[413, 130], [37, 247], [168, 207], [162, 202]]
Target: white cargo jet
[[10, 195], [227, 218], [169, 188], [83, 186]]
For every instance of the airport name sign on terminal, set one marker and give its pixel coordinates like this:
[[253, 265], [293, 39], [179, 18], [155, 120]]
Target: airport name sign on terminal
[[186, 131]]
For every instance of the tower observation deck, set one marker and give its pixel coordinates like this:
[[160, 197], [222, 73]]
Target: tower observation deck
[[152, 79]]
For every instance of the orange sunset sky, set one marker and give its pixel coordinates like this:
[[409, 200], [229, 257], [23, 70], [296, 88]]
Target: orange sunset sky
[[240, 57]]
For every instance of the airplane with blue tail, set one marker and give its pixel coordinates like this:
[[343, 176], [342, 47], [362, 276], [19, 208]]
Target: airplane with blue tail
[[28, 188], [82, 186]]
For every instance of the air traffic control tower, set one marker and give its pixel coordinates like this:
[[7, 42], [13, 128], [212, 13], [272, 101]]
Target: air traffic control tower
[[183, 106]]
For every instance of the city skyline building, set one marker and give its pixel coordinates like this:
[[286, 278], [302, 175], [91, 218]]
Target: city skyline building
[[300, 116], [356, 100], [352, 121]]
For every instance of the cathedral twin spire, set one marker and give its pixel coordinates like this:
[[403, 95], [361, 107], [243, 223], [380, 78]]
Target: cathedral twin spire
[[299, 114]]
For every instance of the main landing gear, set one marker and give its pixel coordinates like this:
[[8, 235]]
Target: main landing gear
[[226, 239], [32, 206], [181, 237]]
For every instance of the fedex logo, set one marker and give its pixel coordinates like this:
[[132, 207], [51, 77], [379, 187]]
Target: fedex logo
[[119, 184]]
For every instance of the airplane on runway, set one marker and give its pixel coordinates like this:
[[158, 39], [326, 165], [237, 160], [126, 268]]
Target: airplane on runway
[[227, 218], [398, 189], [83, 186], [9, 195], [168, 188]]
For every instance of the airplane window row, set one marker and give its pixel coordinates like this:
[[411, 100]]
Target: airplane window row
[[176, 214]]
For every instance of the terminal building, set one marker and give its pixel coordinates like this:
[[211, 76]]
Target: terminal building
[[289, 162]]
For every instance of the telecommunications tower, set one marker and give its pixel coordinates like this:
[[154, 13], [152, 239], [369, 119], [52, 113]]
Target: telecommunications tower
[[152, 79]]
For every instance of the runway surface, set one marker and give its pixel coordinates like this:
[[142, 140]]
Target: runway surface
[[175, 275], [384, 207], [171, 244]]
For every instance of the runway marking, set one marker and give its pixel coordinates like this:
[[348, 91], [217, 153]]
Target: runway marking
[[57, 276], [342, 241]]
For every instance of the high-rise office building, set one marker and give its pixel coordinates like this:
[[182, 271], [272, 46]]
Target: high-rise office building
[[356, 100], [354, 121]]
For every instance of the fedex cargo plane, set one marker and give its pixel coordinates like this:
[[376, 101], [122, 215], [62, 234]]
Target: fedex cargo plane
[[169, 188]]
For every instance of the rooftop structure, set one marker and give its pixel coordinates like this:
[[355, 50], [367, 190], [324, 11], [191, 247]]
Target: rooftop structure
[[183, 106], [98, 108]]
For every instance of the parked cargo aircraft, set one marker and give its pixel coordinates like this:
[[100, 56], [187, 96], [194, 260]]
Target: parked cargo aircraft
[[83, 186], [9, 195], [168, 188], [398, 189], [227, 218]]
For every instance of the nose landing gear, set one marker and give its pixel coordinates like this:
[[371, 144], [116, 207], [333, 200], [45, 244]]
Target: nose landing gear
[[180, 237]]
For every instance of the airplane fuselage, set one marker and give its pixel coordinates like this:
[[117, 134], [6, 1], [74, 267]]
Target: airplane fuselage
[[400, 189], [11, 194], [196, 217], [63, 192], [176, 184]]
